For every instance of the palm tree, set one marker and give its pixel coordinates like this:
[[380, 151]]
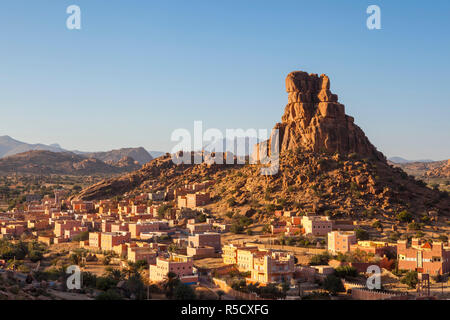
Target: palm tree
[[170, 283]]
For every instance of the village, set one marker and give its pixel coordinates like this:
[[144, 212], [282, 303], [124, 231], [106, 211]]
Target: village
[[177, 247]]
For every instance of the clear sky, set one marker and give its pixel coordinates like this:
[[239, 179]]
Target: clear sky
[[137, 69]]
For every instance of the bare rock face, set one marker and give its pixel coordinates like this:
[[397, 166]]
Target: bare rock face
[[315, 121]]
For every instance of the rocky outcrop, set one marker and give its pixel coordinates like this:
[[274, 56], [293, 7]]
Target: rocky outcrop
[[442, 171], [315, 121], [138, 154]]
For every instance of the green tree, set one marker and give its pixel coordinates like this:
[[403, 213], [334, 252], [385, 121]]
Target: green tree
[[110, 294], [362, 234], [333, 284], [410, 279], [236, 228], [170, 283], [184, 292], [319, 259], [346, 271], [404, 216]]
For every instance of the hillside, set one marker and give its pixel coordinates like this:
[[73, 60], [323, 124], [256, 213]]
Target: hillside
[[327, 166], [46, 162], [139, 154], [10, 147], [422, 169]]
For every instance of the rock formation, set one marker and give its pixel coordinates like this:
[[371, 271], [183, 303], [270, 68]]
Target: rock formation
[[315, 121], [442, 171]]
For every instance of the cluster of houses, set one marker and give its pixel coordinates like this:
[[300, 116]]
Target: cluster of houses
[[170, 240], [309, 225]]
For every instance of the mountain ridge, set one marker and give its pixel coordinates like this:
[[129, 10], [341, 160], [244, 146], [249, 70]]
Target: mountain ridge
[[44, 162], [10, 146]]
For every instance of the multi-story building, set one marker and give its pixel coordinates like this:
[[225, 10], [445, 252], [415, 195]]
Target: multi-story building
[[14, 229], [317, 225], [95, 239], [181, 265], [151, 226], [341, 241], [110, 239], [62, 225], [70, 233], [199, 227], [207, 239], [117, 227], [265, 266], [432, 258], [38, 224], [82, 206], [157, 196], [379, 248], [142, 253], [273, 267], [193, 200]]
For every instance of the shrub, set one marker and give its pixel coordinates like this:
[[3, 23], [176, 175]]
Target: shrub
[[346, 271], [333, 284], [410, 279], [319, 259], [362, 234], [236, 228], [110, 294], [404, 216], [414, 226], [184, 292]]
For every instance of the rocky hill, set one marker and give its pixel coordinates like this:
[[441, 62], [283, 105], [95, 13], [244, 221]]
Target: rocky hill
[[327, 166], [46, 162], [10, 147], [441, 171], [139, 154], [434, 169]]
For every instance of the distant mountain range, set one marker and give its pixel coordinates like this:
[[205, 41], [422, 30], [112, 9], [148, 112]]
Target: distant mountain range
[[10, 147], [43, 162], [402, 160]]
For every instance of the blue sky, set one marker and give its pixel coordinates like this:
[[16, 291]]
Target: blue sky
[[137, 70]]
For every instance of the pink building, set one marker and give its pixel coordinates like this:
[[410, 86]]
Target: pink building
[[432, 258], [142, 253], [208, 239], [181, 265], [341, 241], [199, 227], [111, 239], [62, 225], [317, 225], [137, 228], [193, 200]]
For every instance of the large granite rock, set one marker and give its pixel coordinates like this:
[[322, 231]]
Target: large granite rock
[[314, 120]]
